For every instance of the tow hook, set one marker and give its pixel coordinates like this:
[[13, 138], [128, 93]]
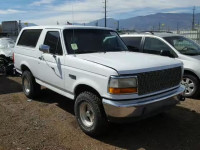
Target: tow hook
[[181, 97]]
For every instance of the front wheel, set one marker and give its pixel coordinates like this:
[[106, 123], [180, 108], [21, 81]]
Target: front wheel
[[192, 86], [90, 114]]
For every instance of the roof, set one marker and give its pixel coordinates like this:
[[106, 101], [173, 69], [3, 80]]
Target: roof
[[158, 34], [165, 34], [66, 27]]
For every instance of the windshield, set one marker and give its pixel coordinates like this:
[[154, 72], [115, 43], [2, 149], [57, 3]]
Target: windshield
[[184, 45], [82, 41]]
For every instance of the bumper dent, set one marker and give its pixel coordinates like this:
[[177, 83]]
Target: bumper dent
[[141, 107]]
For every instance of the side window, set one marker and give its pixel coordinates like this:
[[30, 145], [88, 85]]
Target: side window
[[29, 37], [133, 43], [53, 40], [154, 46]]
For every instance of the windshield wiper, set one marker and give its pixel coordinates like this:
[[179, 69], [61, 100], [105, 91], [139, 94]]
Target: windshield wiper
[[86, 52]]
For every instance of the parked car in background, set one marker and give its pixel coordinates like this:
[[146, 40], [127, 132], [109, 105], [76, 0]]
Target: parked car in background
[[174, 46], [93, 67], [6, 55]]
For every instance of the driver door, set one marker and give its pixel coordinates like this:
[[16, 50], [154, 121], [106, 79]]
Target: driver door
[[51, 64]]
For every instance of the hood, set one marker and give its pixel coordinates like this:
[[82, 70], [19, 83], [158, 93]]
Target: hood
[[6, 52], [130, 62], [197, 57], [194, 59]]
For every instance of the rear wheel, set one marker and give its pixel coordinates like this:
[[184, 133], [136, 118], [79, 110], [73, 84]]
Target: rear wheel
[[30, 87], [192, 86], [90, 114]]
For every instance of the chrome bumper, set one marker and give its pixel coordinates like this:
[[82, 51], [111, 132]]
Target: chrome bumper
[[143, 106]]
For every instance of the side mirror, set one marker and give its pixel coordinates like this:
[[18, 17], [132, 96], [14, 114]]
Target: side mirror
[[166, 53], [44, 48]]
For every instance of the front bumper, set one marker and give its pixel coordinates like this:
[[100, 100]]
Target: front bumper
[[141, 107]]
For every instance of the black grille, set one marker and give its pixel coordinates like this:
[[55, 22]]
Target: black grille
[[154, 81]]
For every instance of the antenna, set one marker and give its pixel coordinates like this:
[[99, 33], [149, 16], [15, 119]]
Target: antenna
[[72, 13], [73, 36], [193, 19]]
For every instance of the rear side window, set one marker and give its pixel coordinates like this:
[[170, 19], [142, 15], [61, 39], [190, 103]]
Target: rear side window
[[154, 46], [133, 43], [53, 40], [29, 37]]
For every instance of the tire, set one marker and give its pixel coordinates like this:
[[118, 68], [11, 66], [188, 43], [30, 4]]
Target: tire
[[30, 87], [90, 114], [192, 85]]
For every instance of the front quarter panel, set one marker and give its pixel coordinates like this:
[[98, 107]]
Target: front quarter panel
[[82, 72], [190, 64]]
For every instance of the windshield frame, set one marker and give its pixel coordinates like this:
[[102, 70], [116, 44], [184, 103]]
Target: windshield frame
[[72, 52], [170, 39]]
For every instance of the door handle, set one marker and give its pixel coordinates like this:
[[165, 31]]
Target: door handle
[[41, 58]]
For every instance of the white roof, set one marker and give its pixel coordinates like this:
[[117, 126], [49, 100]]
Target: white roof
[[66, 27]]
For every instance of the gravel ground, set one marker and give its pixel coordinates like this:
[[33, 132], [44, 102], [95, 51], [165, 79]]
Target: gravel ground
[[48, 123]]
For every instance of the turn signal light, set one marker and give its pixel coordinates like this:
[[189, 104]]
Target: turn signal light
[[122, 90]]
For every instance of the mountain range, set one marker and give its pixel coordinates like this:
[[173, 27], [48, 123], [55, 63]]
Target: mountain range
[[163, 21]]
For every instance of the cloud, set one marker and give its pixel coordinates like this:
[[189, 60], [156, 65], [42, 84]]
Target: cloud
[[10, 11], [78, 17], [83, 11], [119, 6], [42, 2]]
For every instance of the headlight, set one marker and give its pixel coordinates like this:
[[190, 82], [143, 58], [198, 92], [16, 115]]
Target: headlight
[[122, 85]]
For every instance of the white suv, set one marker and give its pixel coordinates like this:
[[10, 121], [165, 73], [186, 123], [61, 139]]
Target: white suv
[[92, 66]]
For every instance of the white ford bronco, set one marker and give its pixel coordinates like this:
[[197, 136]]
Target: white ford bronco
[[93, 67]]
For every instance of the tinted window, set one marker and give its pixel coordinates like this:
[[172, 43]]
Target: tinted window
[[30, 37], [92, 41], [154, 46], [133, 43], [184, 45], [53, 40]]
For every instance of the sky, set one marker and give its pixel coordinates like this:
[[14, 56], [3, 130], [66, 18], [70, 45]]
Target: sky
[[51, 12]]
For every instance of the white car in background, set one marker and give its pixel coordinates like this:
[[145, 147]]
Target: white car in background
[[6, 55], [6, 47], [174, 46]]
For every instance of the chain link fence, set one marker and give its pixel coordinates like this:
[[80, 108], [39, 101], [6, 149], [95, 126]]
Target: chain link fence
[[194, 35]]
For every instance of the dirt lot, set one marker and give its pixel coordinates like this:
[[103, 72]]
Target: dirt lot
[[49, 123]]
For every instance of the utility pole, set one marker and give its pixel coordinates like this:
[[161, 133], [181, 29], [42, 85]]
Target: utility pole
[[159, 27], [177, 28], [118, 25], [97, 23], [105, 13], [193, 19], [19, 26]]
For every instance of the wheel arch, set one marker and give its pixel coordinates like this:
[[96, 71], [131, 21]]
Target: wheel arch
[[24, 67], [191, 73], [83, 87]]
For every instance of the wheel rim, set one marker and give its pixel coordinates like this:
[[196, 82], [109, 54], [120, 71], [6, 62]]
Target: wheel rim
[[189, 86], [86, 114], [26, 85]]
